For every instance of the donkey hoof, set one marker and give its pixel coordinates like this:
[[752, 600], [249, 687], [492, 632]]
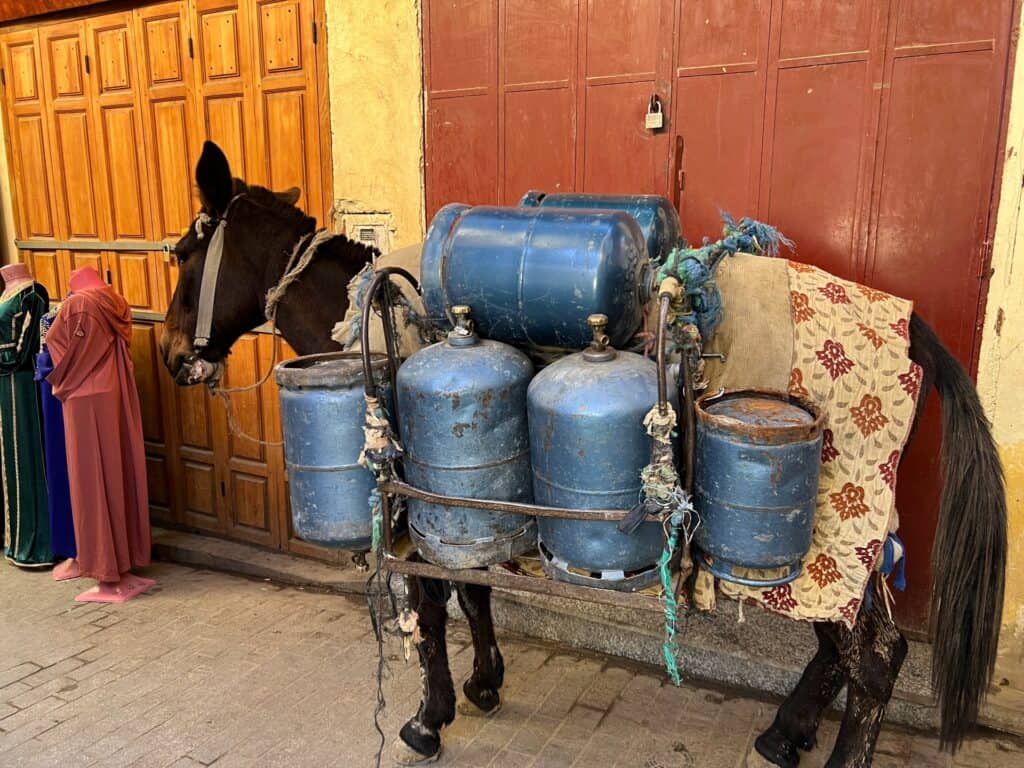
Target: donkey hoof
[[403, 754], [468, 708], [777, 749]]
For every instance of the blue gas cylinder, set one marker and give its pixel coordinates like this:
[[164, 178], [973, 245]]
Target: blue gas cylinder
[[322, 415], [463, 428], [656, 216], [534, 275], [587, 446], [758, 456]]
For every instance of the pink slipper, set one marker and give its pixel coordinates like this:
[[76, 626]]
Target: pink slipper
[[67, 570]]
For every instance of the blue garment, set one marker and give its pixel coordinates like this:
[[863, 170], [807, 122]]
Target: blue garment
[[62, 526]]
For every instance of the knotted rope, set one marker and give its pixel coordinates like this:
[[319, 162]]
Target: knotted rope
[[661, 494]]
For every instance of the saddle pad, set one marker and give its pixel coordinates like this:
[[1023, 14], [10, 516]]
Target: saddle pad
[[848, 351]]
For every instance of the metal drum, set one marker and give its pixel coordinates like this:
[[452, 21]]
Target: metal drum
[[656, 216], [463, 427], [322, 414], [587, 446], [534, 275], [758, 458]]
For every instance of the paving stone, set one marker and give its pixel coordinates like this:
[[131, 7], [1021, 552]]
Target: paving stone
[[215, 670]]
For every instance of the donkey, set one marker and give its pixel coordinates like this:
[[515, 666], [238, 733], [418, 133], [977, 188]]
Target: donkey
[[261, 232]]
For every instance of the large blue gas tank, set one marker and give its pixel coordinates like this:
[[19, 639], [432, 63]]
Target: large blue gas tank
[[322, 415], [462, 406], [656, 216], [587, 446], [758, 458], [534, 275]]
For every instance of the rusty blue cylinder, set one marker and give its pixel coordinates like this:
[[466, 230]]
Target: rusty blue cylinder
[[534, 275], [322, 415], [656, 216], [587, 446], [463, 427], [758, 456]]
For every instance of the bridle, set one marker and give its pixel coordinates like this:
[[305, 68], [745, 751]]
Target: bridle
[[301, 256]]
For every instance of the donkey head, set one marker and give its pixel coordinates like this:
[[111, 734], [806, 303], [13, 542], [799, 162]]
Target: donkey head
[[258, 229]]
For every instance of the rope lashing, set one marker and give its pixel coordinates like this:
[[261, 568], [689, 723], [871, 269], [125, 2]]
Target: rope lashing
[[294, 269], [380, 451], [410, 315], [695, 267], [661, 493]]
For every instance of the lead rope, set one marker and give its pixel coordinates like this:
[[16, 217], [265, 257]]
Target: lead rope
[[294, 269]]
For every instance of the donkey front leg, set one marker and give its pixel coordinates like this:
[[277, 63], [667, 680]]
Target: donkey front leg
[[420, 738], [796, 722], [873, 653], [481, 688]]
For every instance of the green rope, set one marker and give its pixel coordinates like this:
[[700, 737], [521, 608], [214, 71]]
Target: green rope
[[668, 598]]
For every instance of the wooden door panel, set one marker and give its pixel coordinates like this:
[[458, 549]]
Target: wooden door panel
[[243, 371], [94, 259], [122, 141], [138, 278], [75, 169], [225, 125], [816, 161], [286, 110], [168, 116], [147, 364], [540, 42], [29, 149], [195, 407], [45, 269], [201, 495], [23, 70], [67, 75]]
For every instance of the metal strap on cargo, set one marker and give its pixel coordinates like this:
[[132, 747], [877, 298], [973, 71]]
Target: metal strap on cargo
[[160, 246]]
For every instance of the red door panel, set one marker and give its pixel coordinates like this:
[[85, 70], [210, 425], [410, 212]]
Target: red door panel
[[721, 148], [539, 148], [463, 162], [816, 160]]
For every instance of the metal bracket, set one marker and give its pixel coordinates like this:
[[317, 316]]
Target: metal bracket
[[94, 245]]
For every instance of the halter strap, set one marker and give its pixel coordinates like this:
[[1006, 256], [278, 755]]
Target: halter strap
[[211, 271]]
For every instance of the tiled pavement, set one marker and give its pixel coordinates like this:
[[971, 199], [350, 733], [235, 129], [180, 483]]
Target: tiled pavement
[[210, 669]]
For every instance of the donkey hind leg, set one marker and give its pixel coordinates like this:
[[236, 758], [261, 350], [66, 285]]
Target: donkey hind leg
[[420, 738], [481, 688], [796, 722], [873, 653]]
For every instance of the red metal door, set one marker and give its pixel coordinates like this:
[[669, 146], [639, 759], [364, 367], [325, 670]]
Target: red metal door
[[867, 130]]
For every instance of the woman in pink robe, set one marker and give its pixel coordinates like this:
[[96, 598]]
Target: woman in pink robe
[[93, 376]]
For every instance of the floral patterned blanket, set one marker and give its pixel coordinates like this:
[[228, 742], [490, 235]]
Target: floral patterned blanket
[[848, 351]]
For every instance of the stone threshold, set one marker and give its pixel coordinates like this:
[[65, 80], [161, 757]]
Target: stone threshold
[[759, 651]]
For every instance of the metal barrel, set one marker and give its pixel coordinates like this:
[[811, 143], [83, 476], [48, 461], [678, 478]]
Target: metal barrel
[[758, 458], [587, 446], [656, 216], [322, 415], [464, 432], [534, 275]]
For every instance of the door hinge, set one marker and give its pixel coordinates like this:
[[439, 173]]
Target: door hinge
[[3, 78], [314, 32], [223, 489], [681, 180], [110, 278], [87, 68], [191, 49]]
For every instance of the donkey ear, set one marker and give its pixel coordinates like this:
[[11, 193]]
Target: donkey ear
[[213, 177], [290, 195]]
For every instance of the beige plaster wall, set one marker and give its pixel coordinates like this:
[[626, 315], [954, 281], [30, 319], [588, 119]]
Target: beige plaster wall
[[375, 82]]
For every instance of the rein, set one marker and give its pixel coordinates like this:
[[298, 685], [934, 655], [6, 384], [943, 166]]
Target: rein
[[301, 257]]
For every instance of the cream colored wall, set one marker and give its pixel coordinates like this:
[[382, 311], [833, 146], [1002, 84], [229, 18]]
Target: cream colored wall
[[7, 250], [375, 81], [1001, 371]]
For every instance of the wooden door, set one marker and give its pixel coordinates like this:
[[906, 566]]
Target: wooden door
[[284, 87], [170, 130], [29, 154]]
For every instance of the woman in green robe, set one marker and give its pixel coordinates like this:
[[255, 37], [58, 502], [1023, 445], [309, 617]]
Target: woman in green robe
[[26, 522]]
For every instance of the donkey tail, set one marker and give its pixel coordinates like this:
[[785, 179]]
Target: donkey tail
[[969, 554]]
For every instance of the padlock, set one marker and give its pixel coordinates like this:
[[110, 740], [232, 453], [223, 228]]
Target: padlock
[[655, 118]]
